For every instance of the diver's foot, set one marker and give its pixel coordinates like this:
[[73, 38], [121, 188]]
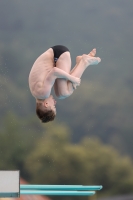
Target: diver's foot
[[78, 58], [90, 60], [92, 53]]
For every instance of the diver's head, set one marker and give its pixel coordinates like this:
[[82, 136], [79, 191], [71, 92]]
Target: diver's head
[[45, 109]]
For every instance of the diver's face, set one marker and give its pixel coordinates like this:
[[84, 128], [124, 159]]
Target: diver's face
[[50, 102]]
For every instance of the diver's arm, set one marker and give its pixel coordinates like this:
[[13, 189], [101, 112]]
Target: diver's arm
[[59, 73]]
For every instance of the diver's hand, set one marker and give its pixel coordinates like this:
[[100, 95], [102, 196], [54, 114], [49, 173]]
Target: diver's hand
[[75, 86], [75, 80]]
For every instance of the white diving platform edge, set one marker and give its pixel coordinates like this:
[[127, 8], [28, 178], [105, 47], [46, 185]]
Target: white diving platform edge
[[9, 183]]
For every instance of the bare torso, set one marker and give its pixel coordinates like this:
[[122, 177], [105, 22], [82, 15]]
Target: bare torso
[[39, 71]]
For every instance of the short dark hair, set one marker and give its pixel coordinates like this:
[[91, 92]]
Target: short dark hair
[[44, 114]]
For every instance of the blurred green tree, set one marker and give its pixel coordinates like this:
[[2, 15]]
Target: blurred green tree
[[17, 139], [56, 161]]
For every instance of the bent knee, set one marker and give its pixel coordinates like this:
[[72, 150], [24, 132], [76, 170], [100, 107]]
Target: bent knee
[[64, 95], [61, 97]]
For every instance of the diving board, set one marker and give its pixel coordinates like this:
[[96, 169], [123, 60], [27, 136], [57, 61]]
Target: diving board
[[60, 187], [10, 187], [59, 190]]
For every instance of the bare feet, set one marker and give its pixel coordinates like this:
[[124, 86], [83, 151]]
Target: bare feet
[[92, 53], [78, 58], [89, 59]]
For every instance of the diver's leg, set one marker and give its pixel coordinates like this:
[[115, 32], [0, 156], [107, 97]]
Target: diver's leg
[[62, 87], [65, 88]]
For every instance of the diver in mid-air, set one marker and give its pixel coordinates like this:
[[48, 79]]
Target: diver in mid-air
[[53, 68]]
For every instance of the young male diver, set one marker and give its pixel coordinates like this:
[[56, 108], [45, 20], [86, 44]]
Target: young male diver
[[53, 69]]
